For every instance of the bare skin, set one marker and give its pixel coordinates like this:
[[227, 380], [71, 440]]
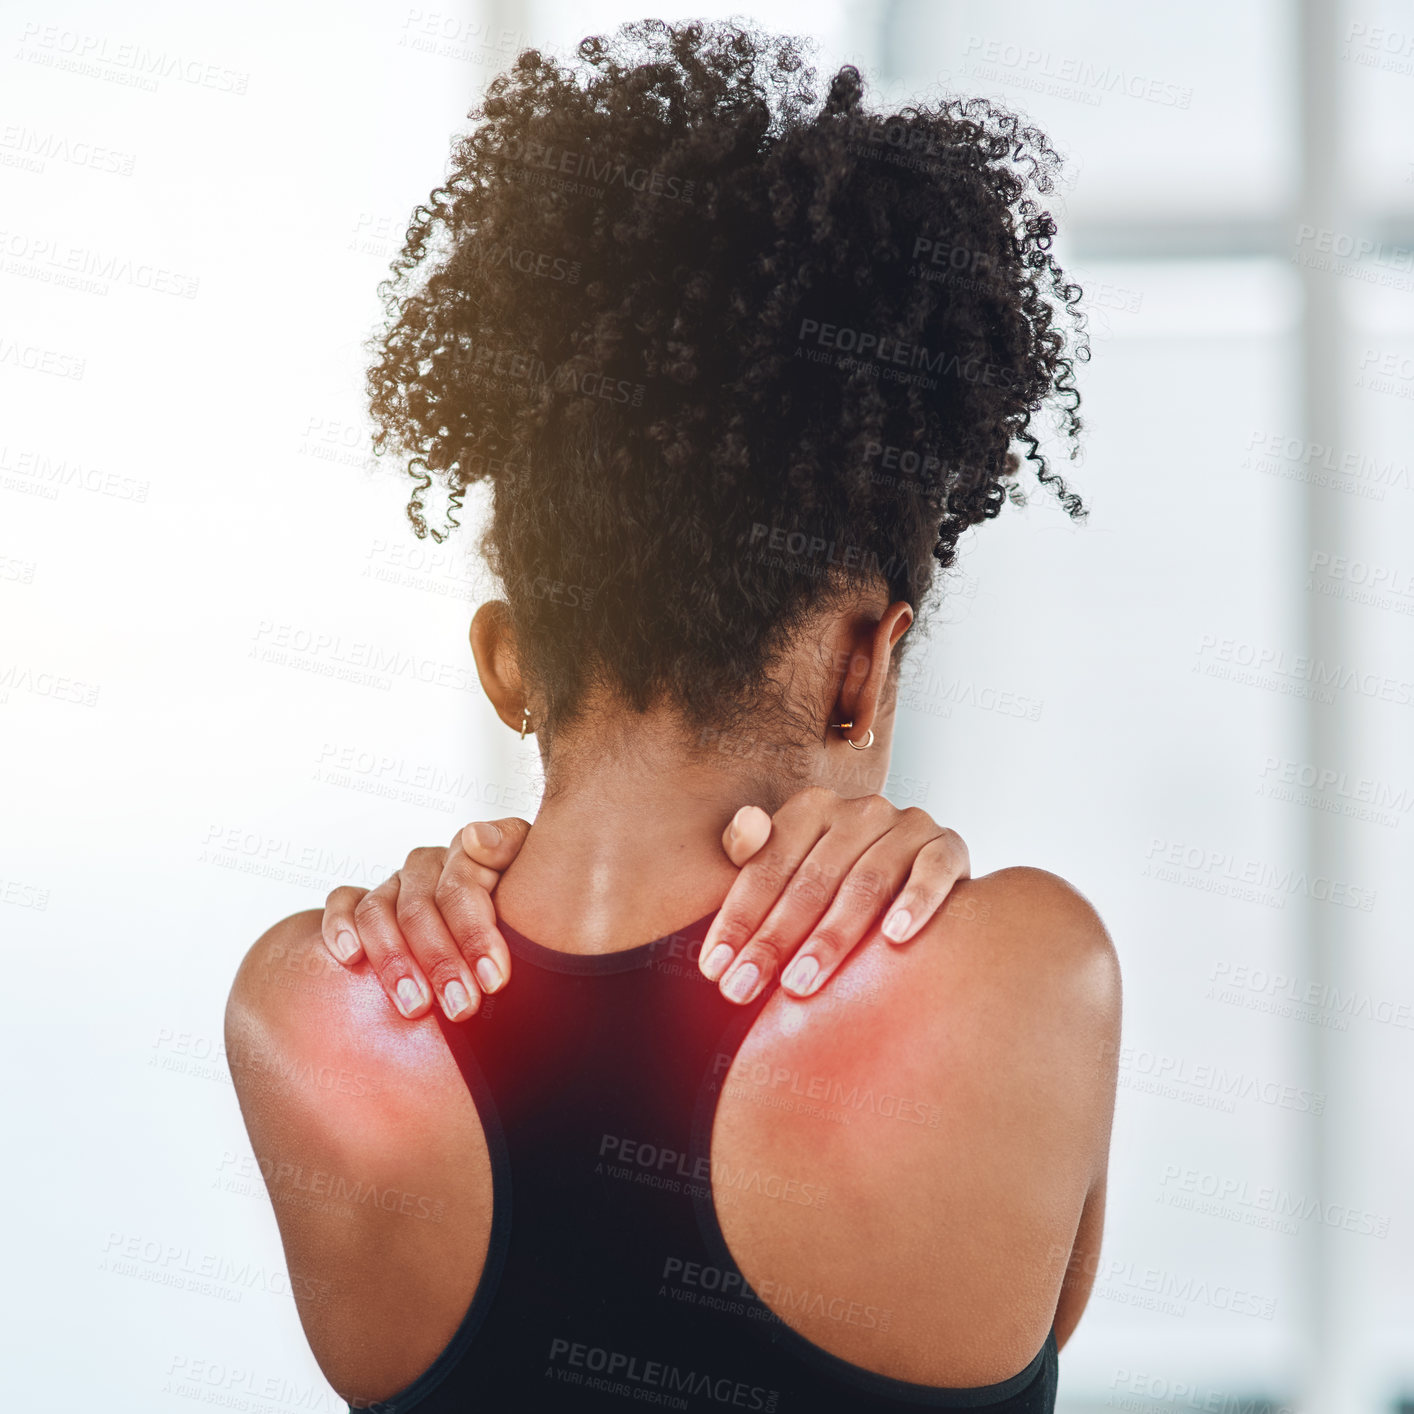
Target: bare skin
[[975, 1229], [800, 904]]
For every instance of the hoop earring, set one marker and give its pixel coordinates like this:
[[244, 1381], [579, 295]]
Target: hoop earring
[[857, 745], [524, 721]]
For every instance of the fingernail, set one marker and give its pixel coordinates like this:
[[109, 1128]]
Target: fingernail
[[800, 976], [345, 945], [488, 974], [486, 834], [896, 926], [717, 961], [456, 997], [744, 980], [409, 996]]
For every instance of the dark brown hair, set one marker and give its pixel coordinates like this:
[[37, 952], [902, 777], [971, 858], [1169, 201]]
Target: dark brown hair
[[723, 350]]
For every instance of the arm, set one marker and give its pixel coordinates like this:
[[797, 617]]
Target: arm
[[371, 1152], [1095, 1003], [1083, 1264], [1084, 1260]]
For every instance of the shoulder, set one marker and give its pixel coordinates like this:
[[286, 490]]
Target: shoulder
[[1013, 989], [301, 1027], [1020, 962], [1021, 902], [1024, 926], [282, 972], [1020, 970], [1020, 935]]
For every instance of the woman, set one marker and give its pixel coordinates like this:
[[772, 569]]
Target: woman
[[688, 322]]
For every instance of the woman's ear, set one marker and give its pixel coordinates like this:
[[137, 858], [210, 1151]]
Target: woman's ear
[[493, 646], [868, 672]]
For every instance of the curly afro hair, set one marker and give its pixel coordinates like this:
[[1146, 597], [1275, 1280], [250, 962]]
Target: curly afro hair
[[725, 353]]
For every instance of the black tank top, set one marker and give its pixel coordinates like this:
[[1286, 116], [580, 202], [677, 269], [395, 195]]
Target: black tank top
[[608, 1285]]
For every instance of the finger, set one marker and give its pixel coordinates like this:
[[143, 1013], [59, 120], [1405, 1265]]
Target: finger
[[376, 918], [842, 860], [470, 917], [763, 878], [494, 843], [915, 848], [746, 832], [428, 939], [337, 926], [786, 888], [939, 865]]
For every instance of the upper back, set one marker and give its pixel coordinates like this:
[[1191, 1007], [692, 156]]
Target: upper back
[[947, 1105]]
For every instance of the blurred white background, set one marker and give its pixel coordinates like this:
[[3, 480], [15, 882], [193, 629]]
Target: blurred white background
[[231, 678]]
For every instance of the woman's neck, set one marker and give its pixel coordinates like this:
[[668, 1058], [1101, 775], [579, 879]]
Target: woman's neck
[[627, 845]]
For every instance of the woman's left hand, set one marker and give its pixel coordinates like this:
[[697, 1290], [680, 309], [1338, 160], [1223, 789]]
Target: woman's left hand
[[815, 879]]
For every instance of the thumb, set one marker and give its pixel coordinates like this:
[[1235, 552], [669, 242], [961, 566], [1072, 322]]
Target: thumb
[[749, 829], [494, 843]]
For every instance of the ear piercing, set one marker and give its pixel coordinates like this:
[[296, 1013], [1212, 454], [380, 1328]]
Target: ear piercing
[[857, 745]]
